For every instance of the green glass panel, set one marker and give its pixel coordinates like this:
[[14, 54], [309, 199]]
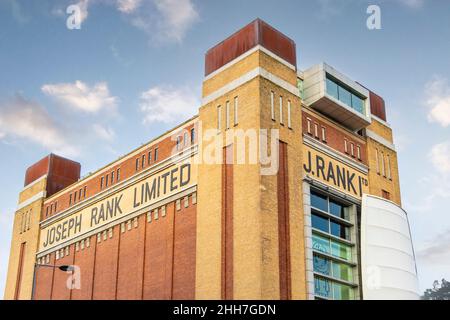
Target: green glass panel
[[341, 250], [342, 292], [321, 244], [342, 271]]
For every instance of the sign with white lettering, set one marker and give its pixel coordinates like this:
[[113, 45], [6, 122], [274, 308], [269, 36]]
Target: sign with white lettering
[[321, 167], [167, 182]]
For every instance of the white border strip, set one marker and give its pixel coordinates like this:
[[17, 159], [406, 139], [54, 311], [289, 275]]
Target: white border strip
[[246, 78], [27, 202], [245, 55], [372, 135], [34, 182]]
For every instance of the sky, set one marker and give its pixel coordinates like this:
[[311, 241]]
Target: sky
[[135, 68]]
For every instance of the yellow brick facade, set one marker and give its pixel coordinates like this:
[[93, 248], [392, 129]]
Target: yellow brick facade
[[25, 230]]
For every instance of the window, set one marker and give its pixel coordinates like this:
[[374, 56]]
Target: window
[[112, 177], [56, 206], [319, 201], [137, 164], [143, 161], [383, 171], [332, 88], [192, 136], [101, 182], [308, 125], [46, 211], [236, 110], [377, 161], [345, 146], [346, 96], [84, 191], [324, 134], [219, 117], [149, 159], [289, 113], [156, 154], [178, 143], [281, 110], [74, 198], [70, 200], [388, 167], [385, 194], [227, 115], [358, 152], [118, 175], [80, 193], [186, 139], [331, 250], [352, 149], [106, 180], [272, 105], [316, 130]]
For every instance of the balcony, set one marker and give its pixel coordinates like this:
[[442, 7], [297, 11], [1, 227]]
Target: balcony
[[336, 96]]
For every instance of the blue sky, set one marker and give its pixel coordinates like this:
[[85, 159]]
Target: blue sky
[[135, 69]]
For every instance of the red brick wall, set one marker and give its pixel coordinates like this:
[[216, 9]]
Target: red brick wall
[[131, 262], [227, 224], [283, 223], [151, 261], [60, 290], [85, 258], [158, 257], [44, 281], [334, 138], [183, 286], [105, 269]]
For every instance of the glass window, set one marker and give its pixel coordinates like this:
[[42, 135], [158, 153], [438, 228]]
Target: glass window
[[101, 182], [358, 104], [338, 210], [319, 201], [156, 154], [192, 135], [339, 230], [322, 265], [137, 165], [341, 250], [322, 287], [186, 139], [219, 117], [342, 271], [112, 177], [321, 244], [272, 105], [149, 159], [345, 96], [332, 88], [118, 175], [342, 292], [236, 110], [320, 223]]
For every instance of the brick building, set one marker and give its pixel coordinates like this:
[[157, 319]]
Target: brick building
[[284, 186]]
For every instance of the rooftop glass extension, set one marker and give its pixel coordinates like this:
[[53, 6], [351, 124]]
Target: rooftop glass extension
[[344, 95]]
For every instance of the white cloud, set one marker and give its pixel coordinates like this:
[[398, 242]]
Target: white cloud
[[440, 157], [80, 96], [105, 133], [437, 92], [30, 121], [178, 16], [166, 20], [128, 6], [436, 251], [167, 104], [83, 5]]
